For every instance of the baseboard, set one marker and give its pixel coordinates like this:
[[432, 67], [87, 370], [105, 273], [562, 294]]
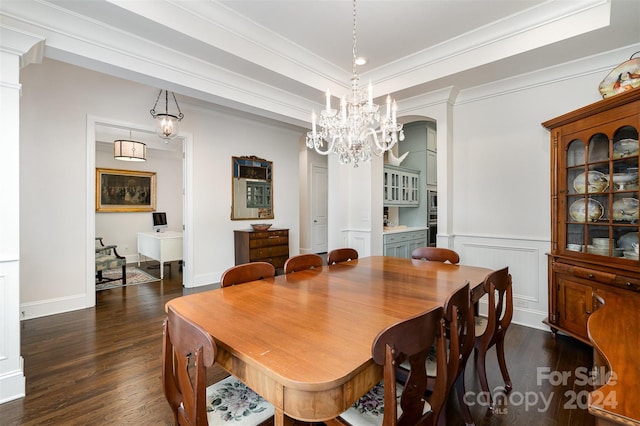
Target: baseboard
[[43, 308], [522, 316], [13, 384]]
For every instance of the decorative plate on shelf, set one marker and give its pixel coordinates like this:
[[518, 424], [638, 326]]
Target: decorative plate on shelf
[[577, 210], [625, 209], [627, 240], [625, 148], [598, 182], [625, 76]]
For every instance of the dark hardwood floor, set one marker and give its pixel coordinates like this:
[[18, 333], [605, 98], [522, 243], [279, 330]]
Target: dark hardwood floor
[[102, 366]]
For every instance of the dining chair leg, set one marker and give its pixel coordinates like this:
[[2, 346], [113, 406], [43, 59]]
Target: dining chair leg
[[480, 358], [464, 408], [503, 365]]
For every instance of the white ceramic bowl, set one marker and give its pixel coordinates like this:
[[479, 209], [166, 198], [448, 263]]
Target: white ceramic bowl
[[630, 255], [622, 180], [574, 247], [627, 240]]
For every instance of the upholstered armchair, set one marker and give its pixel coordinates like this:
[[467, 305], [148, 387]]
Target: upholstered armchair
[[108, 258]]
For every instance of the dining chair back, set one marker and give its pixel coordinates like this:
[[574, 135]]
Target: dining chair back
[[391, 403], [435, 254], [491, 330], [341, 255], [302, 262], [459, 324], [187, 352], [186, 394], [247, 272], [459, 318]]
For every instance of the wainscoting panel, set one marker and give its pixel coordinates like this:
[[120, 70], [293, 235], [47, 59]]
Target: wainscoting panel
[[357, 239], [527, 262], [12, 378]]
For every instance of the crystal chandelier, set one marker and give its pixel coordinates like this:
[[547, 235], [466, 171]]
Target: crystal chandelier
[[166, 123], [357, 130]]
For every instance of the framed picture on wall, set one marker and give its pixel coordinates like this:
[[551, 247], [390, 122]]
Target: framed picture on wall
[[125, 191]]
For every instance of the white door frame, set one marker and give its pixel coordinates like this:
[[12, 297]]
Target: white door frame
[[312, 194], [187, 272]]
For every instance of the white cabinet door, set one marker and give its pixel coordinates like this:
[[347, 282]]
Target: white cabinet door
[[432, 168], [401, 244], [401, 186]]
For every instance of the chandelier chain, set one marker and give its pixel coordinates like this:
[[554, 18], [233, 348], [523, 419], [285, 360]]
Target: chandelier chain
[[357, 130], [355, 39]]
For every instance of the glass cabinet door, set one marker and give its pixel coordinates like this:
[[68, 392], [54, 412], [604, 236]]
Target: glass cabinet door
[[601, 195]]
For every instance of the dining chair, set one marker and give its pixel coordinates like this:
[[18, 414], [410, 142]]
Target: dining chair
[[459, 320], [392, 403], [492, 329], [247, 272], [302, 262], [460, 333], [187, 352], [341, 255], [435, 254]]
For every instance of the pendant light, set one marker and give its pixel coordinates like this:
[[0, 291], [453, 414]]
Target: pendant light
[[129, 150], [167, 124]]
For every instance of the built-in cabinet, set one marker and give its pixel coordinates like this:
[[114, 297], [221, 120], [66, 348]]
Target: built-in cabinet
[[401, 186], [401, 244], [594, 209], [270, 246]]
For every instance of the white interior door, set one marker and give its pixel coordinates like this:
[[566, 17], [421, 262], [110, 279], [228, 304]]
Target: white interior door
[[319, 209]]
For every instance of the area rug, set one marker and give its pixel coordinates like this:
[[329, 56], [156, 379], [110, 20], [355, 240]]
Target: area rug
[[134, 276]]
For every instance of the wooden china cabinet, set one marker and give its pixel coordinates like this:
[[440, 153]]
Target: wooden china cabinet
[[594, 210]]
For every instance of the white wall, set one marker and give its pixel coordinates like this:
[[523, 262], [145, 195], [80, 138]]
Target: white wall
[[501, 155], [56, 100]]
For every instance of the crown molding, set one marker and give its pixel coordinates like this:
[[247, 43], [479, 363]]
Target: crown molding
[[222, 27], [550, 22], [29, 47], [88, 43], [600, 64]]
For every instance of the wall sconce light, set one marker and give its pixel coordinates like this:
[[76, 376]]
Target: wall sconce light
[[166, 123]]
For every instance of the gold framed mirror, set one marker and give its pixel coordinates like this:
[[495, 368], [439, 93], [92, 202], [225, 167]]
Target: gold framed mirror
[[252, 188]]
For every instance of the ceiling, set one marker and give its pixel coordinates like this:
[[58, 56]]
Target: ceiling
[[275, 58]]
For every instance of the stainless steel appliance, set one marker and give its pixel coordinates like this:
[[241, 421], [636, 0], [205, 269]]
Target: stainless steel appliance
[[432, 216]]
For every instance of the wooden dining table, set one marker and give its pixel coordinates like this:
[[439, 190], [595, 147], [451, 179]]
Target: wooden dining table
[[303, 340]]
